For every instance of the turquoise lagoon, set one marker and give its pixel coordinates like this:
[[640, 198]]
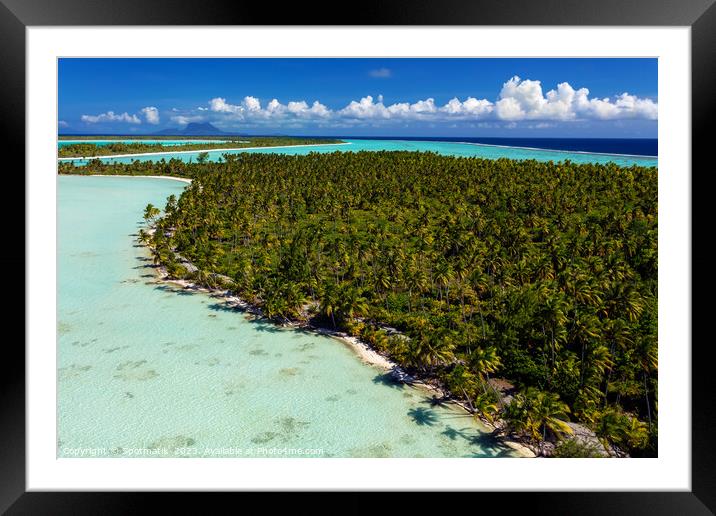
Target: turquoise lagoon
[[169, 143], [447, 148], [148, 370]]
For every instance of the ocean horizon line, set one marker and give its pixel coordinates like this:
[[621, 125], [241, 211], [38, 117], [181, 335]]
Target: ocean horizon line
[[465, 140]]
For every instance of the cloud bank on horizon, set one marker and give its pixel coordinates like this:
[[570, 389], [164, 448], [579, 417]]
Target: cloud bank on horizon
[[519, 100]]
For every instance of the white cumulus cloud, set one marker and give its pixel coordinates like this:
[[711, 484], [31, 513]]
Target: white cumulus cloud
[[151, 114], [219, 105], [524, 100], [252, 104], [517, 101], [250, 109], [302, 110], [469, 107], [365, 108], [381, 73], [111, 116], [185, 119]]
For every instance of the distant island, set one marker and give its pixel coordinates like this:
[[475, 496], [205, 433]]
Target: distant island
[[88, 149], [192, 129]]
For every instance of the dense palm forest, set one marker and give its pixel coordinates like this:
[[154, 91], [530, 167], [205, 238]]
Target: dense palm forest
[[543, 274], [90, 149]]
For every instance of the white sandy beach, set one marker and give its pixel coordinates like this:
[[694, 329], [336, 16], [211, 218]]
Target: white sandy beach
[[197, 151], [182, 179]]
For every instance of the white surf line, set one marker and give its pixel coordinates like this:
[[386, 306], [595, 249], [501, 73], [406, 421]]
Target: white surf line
[[182, 179], [525, 148], [110, 156], [561, 151]]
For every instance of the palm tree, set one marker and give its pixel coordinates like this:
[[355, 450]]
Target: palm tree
[[351, 302], [293, 296], [429, 351], [443, 277], [534, 412], [552, 414], [329, 302], [485, 406], [144, 237], [484, 361], [204, 278], [151, 212]]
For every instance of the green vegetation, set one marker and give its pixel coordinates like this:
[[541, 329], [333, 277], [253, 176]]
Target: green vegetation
[[541, 273], [576, 449], [77, 150]]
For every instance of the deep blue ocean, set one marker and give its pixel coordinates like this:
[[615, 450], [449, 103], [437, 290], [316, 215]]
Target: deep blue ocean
[[630, 146]]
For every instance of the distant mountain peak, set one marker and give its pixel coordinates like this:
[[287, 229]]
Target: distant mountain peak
[[199, 128], [193, 129]]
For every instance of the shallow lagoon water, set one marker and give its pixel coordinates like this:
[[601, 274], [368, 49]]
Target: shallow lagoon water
[[446, 148], [147, 370], [169, 143]]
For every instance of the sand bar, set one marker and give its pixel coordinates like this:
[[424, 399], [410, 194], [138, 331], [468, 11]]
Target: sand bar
[[109, 156]]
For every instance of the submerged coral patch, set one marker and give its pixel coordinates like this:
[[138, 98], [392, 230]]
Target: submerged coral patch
[[135, 370]]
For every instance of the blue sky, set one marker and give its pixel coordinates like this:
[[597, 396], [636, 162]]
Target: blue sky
[[363, 97]]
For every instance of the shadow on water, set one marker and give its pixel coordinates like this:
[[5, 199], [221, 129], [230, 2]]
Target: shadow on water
[[301, 332], [172, 290], [490, 446], [263, 326], [434, 401], [259, 324], [423, 417], [487, 442], [223, 307], [388, 380]]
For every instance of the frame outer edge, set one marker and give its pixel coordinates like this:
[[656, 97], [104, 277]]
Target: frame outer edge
[[12, 67], [12, 259], [371, 12], [703, 90]]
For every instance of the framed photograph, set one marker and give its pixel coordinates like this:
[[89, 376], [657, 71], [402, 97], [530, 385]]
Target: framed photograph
[[427, 251]]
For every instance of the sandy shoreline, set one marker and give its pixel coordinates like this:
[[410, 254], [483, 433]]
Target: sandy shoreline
[[366, 353], [110, 156], [182, 179]]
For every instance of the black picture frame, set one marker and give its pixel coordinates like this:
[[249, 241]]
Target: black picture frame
[[16, 15]]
